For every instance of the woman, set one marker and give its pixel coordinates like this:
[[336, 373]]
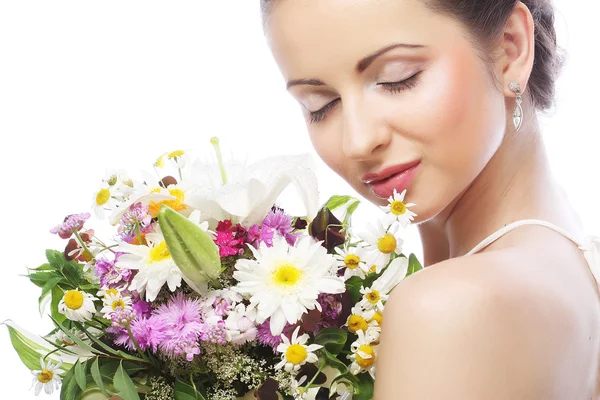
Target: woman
[[439, 97]]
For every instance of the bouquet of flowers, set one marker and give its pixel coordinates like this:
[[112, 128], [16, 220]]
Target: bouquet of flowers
[[208, 290]]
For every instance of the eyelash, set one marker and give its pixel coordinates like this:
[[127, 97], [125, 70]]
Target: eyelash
[[392, 87]]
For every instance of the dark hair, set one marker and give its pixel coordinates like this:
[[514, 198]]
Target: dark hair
[[486, 19]]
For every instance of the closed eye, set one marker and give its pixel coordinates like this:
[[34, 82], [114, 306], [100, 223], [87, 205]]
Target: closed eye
[[319, 115]]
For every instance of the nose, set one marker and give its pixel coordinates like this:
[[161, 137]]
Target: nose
[[365, 133]]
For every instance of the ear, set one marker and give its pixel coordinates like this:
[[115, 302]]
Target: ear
[[518, 48]]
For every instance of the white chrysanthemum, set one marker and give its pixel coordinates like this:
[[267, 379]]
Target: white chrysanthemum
[[375, 295], [154, 266], [240, 326], [296, 353], [284, 281], [344, 391], [381, 242], [102, 201], [179, 158], [113, 299], [77, 305], [353, 262], [364, 353], [47, 378], [399, 210]]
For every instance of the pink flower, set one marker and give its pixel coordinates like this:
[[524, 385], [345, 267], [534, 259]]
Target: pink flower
[[71, 222], [149, 332], [231, 240]]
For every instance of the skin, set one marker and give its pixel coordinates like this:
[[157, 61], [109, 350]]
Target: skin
[[518, 320]]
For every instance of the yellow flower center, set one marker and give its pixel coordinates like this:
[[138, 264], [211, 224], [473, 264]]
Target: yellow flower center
[[176, 204], [175, 154], [74, 299], [296, 354], [102, 197], [111, 292], [118, 303], [45, 376], [357, 323], [352, 261], [367, 361], [378, 317], [387, 244], [159, 252], [373, 297], [397, 207], [373, 268], [286, 275]]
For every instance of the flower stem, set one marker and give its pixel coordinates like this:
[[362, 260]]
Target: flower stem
[[81, 242], [138, 232], [215, 143], [308, 385], [135, 343]]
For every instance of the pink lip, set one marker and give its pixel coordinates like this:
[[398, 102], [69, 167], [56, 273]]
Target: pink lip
[[397, 177]]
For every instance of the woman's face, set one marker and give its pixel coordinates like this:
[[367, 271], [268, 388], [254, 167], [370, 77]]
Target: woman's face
[[394, 95]]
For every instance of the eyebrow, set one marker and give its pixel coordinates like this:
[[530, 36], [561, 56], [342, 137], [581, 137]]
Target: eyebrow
[[362, 65]]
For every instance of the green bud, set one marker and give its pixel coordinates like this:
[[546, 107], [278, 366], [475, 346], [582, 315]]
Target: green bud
[[192, 249]]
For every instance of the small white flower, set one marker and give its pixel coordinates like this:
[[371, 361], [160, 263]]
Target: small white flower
[[47, 378], [366, 321], [399, 210], [113, 299], [378, 293], [284, 281], [179, 158], [364, 353], [296, 353], [342, 390], [102, 201], [381, 242], [77, 305], [240, 326], [353, 262]]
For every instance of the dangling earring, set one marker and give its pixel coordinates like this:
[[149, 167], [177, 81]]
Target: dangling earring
[[518, 112]]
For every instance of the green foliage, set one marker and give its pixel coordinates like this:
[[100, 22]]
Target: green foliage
[[184, 391], [124, 385], [413, 265], [332, 339]]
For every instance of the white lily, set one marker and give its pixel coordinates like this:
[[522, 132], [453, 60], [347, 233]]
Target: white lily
[[246, 193]]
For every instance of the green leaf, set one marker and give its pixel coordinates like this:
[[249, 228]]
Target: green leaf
[[70, 389], [95, 371], [332, 339], [29, 352], [80, 374], [57, 295], [55, 258], [413, 265], [363, 390], [334, 362], [43, 267], [353, 286], [76, 339], [337, 201], [40, 278], [74, 274], [124, 385], [184, 391], [47, 289]]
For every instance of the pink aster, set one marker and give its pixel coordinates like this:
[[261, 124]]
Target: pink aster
[[71, 222], [149, 332]]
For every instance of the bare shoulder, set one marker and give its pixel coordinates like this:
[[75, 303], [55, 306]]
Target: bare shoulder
[[473, 328]]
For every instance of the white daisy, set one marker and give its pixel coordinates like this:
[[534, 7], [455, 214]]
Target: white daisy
[[364, 353], [381, 242], [296, 353], [77, 305], [353, 262], [366, 321], [375, 295], [179, 158], [102, 201], [113, 299], [284, 281], [47, 378], [154, 266], [399, 210], [343, 390], [239, 325]]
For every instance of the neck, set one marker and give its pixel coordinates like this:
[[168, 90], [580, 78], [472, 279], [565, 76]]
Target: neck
[[516, 184]]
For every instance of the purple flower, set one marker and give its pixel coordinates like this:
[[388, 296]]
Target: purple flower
[[221, 306], [185, 326], [110, 275], [136, 216], [142, 308], [149, 332], [281, 223], [71, 222], [265, 337], [332, 307], [214, 333], [261, 234]]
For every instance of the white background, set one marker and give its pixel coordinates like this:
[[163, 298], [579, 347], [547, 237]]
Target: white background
[[87, 85]]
